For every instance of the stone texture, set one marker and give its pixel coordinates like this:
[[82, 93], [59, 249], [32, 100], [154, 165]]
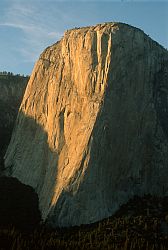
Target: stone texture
[[92, 128], [11, 93]]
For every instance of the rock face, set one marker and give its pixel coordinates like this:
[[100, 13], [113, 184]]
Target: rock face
[[92, 127], [11, 93]]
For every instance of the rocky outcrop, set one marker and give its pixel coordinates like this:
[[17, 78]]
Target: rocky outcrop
[[12, 88], [91, 131]]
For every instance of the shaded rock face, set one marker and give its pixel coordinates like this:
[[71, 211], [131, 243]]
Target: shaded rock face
[[11, 93], [19, 204], [91, 132]]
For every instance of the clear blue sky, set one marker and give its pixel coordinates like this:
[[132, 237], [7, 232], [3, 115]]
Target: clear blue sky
[[28, 26]]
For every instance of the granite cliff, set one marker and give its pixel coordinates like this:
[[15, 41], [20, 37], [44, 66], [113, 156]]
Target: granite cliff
[[92, 127], [12, 88]]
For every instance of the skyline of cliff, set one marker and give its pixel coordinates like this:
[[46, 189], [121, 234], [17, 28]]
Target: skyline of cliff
[[27, 27]]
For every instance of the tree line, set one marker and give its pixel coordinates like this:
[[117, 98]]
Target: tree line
[[5, 73]]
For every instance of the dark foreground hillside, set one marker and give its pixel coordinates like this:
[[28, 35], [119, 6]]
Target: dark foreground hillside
[[18, 205], [140, 224]]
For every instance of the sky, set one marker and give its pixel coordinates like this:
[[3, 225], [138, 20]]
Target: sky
[[27, 27]]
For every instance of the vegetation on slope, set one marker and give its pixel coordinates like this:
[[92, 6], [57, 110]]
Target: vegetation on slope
[[140, 224], [18, 205]]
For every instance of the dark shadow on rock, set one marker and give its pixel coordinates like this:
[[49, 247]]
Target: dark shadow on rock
[[18, 205], [12, 89], [160, 91]]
